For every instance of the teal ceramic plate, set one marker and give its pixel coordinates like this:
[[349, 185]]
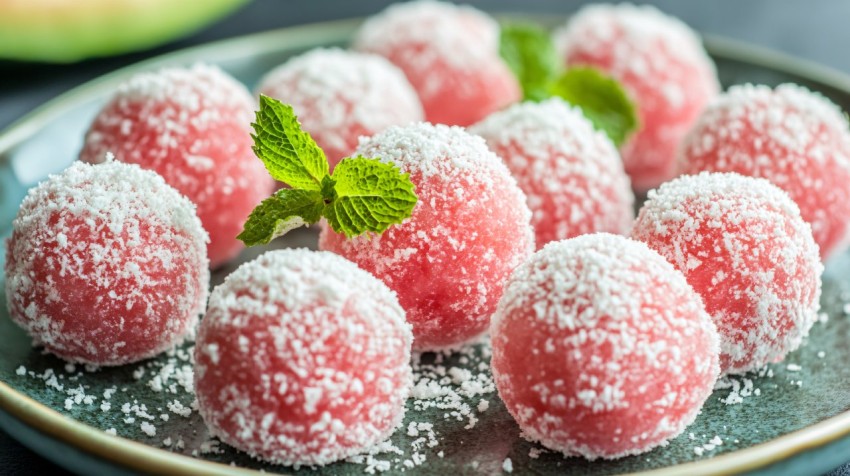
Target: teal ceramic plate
[[792, 418]]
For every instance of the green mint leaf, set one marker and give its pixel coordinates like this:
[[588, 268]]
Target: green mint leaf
[[291, 156], [362, 195], [368, 195], [283, 211], [602, 99], [529, 52]]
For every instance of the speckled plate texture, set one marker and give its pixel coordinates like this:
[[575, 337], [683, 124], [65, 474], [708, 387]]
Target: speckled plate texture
[[790, 418]]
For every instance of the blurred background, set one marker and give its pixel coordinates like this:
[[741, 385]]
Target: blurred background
[[815, 30], [812, 29]]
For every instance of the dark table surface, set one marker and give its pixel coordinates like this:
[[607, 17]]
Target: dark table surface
[[813, 29]]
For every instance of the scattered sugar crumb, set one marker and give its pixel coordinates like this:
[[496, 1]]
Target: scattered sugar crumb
[[508, 465], [452, 389], [370, 458], [138, 373], [710, 446], [211, 447], [148, 429], [766, 371], [178, 409], [535, 453], [742, 388]]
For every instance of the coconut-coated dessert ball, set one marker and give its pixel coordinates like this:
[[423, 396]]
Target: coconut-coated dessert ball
[[193, 127], [340, 95], [662, 66], [571, 173], [470, 227], [449, 53], [743, 246], [601, 349], [106, 265], [302, 359], [795, 138]]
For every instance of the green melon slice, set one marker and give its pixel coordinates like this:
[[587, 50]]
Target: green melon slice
[[64, 31]]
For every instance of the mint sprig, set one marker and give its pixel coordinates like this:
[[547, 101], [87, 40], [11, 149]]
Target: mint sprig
[[601, 99], [531, 55], [362, 195], [291, 156], [529, 52]]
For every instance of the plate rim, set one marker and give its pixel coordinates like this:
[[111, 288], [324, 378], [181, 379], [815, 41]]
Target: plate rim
[[140, 456]]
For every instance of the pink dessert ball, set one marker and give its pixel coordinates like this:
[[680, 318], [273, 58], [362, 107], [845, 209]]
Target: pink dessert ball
[[193, 127], [743, 246], [106, 265], [469, 229], [571, 173], [302, 359], [449, 53], [601, 349], [340, 95], [662, 65], [793, 137]]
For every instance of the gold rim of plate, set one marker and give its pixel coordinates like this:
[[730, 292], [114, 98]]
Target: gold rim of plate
[[141, 457]]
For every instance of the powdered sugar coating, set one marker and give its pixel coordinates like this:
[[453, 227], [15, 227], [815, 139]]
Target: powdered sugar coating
[[340, 95], [469, 229], [449, 53], [795, 138], [601, 348], [662, 65], [192, 126], [571, 173], [106, 265], [743, 246], [302, 358]]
